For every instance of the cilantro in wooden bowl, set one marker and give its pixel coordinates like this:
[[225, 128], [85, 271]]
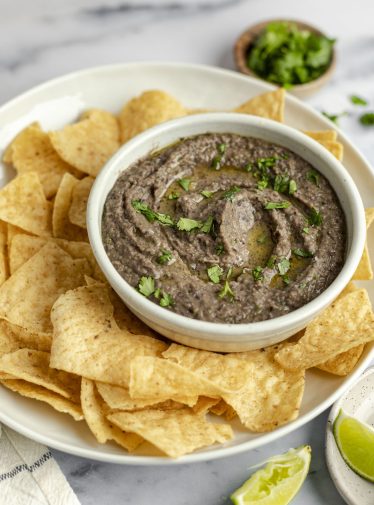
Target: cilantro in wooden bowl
[[291, 54]]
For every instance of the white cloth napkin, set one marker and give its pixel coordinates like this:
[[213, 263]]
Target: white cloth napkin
[[29, 475]]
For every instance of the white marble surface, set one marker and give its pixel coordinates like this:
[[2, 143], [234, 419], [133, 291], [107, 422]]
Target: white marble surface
[[40, 40]]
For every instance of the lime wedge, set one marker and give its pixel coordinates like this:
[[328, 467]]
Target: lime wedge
[[355, 441], [278, 482]]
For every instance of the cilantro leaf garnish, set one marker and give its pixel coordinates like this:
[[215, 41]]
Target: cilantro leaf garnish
[[271, 261], [334, 117], [216, 162], [284, 156], [226, 291], [292, 187], [286, 279], [184, 183], [367, 119], [248, 167], [281, 183], [315, 217], [173, 195], [277, 205], [220, 249], [146, 286], [257, 273], [357, 100], [306, 230], [230, 193], [302, 253], [283, 266], [164, 257], [215, 273], [221, 148], [208, 225], [262, 184], [313, 176], [166, 300], [150, 214], [186, 224], [207, 194]]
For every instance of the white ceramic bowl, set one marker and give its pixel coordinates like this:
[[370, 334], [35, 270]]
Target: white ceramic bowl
[[217, 336]]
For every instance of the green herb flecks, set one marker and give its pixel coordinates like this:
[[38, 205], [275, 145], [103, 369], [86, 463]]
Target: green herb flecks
[[221, 148], [184, 183], [217, 160], [277, 205], [357, 100], [283, 266], [313, 176], [262, 239], [302, 253], [207, 194], [174, 195], [271, 261], [334, 117], [292, 187], [287, 55], [186, 224], [315, 217], [220, 249], [230, 193], [257, 273], [286, 279], [367, 119], [215, 273], [306, 230], [150, 214], [166, 300], [164, 257], [262, 172], [248, 167], [226, 291], [146, 286]]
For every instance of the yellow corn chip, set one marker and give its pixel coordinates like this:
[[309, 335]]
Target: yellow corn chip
[[160, 378], [225, 371], [33, 366], [220, 408], [175, 432], [28, 339], [335, 148], [81, 192], [204, 404], [32, 151], [343, 363], [119, 398], [88, 342], [36, 392], [61, 225], [103, 430], [88, 144], [269, 105], [23, 204], [8, 340], [347, 323], [26, 298], [12, 231], [322, 135], [364, 271], [4, 267], [147, 110]]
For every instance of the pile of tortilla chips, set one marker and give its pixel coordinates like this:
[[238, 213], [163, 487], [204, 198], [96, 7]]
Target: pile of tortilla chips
[[66, 339]]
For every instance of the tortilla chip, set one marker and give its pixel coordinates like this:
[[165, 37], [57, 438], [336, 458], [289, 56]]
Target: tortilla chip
[[175, 432], [204, 404], [322, 135], [126, 320], [147, 110], [271, 397], [23, 247], [23, 204], [219, 408], [88, 144], [343, 363], [119, 398], [32, 151], [102, 429], [364, 271], [88, 342], [36, 392], [8, 340], [12, 231], [347, 323], [160, 378], [26, 298], [350, 288], [335, 148], [33, 366], [28, 339], [225, 371], [4, 267], [61, 225], [81, 192], [269, 105]]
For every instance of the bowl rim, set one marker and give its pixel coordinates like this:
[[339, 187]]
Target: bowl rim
[[207, 329], [241, 46]]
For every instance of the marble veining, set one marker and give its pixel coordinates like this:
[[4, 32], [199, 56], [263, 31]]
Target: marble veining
[[40, 40]]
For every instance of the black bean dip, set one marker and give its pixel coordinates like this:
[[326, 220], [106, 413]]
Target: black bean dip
[[225, 228]]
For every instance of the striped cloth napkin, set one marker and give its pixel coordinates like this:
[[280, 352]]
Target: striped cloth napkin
[[29, 475]]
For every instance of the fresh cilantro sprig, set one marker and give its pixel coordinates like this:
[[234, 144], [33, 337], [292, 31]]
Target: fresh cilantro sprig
[[150, 214], [277, 205], [146, 286], [164, 257], [226, 291], [185, 184], [215, 273], [357, 100], [230, 193]]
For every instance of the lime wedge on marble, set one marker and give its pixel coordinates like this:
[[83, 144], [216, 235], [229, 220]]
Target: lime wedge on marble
[[355, 441], [278, 482]]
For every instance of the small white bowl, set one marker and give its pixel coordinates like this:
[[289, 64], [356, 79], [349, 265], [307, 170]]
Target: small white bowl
[[218, 336]]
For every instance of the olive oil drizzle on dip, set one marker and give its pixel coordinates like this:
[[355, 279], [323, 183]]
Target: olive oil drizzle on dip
[[225, 228]]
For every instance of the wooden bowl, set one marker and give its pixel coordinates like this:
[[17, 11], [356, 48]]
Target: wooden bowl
[[247, 38]]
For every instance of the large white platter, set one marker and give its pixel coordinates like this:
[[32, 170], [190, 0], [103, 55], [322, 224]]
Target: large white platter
[[60, 101]]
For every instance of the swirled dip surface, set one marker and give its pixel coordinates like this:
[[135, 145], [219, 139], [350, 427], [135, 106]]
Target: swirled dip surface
[[225, 228]]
